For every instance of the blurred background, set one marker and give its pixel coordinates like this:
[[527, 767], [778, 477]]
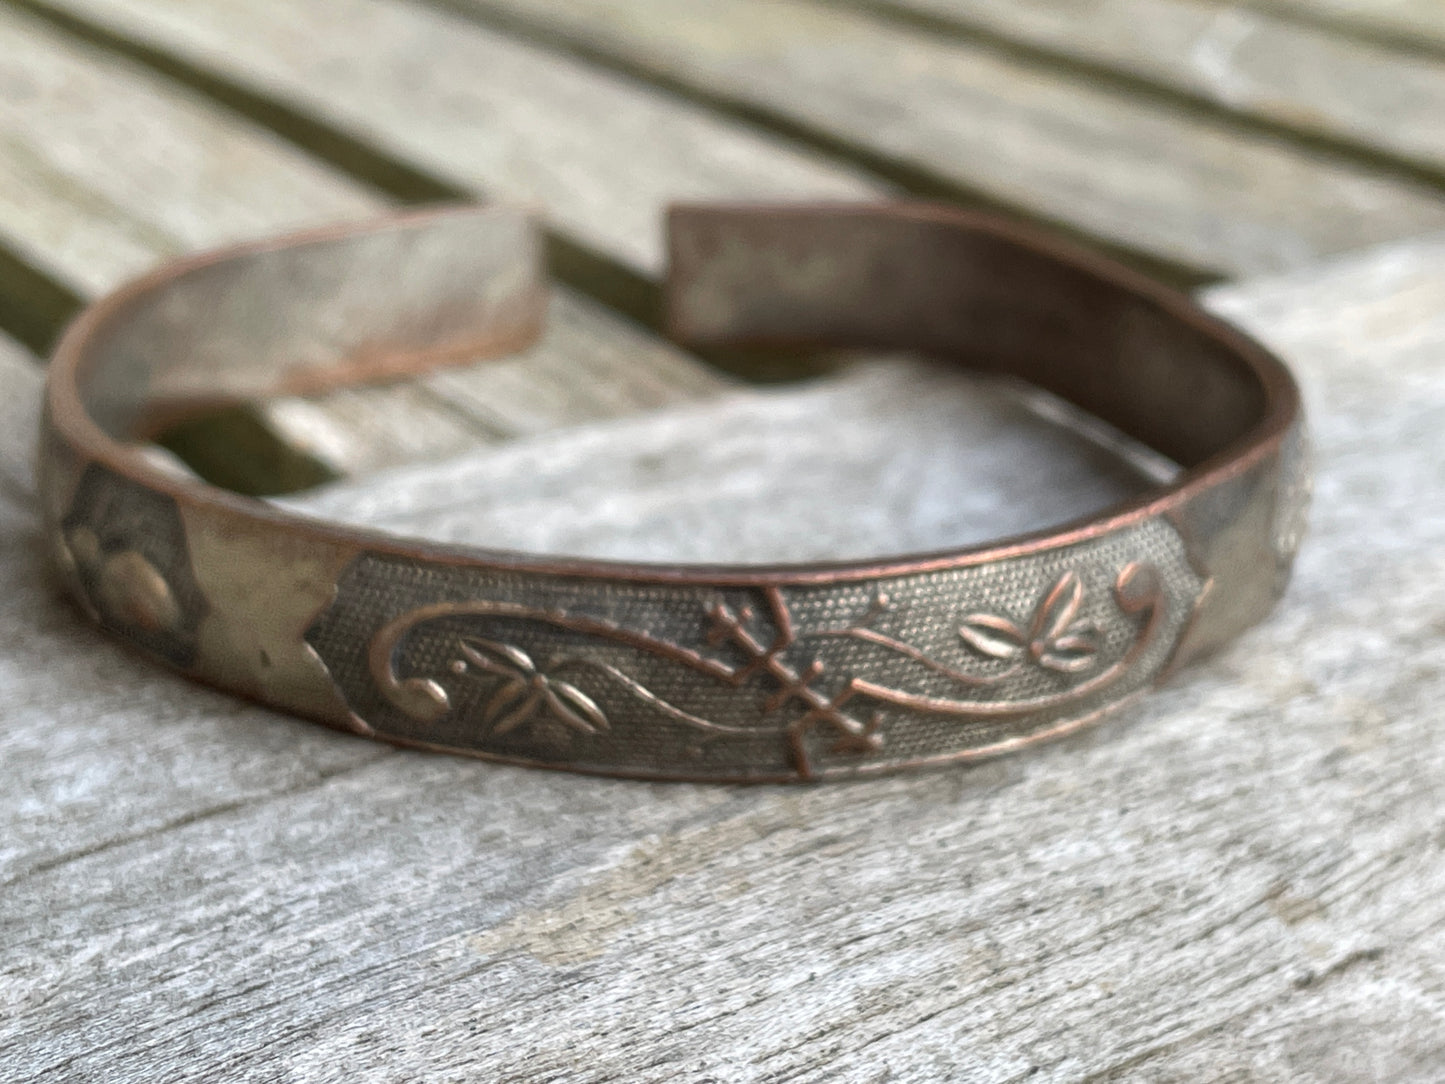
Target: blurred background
[[1199, 140]]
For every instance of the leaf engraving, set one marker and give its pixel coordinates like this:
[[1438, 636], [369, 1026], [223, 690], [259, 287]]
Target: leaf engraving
[[526, 694], [1057, 638], [996, 637], [763, 645], [1058, 609], [572, 706]]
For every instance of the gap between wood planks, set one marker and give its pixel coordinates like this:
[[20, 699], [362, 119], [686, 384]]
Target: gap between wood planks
[[617, 285], [237, 448], [603, 277], [598, 275], [1012, 44]]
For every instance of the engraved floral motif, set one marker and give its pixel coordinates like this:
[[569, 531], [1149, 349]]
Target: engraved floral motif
[[123, 553], [765, 647], [1056, 637], [129, 591], [525, 694]]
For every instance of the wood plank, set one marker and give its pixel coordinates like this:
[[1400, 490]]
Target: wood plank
[[95, 750], [1243, 878], [910, 456], [1194, 192], [1408, 24], [600, 154], [1299, 77], [20, 378], [108, 169]]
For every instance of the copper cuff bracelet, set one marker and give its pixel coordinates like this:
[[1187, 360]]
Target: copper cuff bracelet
[[661, 671]]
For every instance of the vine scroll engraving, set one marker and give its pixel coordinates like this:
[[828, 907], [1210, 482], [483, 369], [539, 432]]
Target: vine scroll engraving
[[856, 674]]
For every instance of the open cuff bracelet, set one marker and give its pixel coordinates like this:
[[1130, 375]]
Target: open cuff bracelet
[[675, 671]]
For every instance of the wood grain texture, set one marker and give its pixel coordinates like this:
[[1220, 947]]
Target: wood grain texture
[[1248, 60], [601, 155], [1181, 189], [885, 457], [1186, 189], [107, 170], [1242, 879], [20, 379], [1411, 23]]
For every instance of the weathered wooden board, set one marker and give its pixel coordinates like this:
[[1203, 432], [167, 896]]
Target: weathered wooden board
[[600, 154], [19, 416], [1300, 77], [109, 169], [1187, 189], [1240, 880], [1415, 24], [908, 455], [106, 169]]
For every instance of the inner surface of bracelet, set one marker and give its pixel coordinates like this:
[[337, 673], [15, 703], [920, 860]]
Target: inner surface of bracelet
[[968, 290], [343, 306], [419, 291]]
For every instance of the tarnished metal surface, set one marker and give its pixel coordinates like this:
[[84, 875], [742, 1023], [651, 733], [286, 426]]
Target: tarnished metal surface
[[749, 673], [123, 551], [709, 681]]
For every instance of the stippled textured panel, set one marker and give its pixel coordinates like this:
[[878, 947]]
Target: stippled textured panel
[[788, 681]]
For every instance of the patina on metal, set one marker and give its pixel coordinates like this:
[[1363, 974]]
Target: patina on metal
[[675, 671]]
